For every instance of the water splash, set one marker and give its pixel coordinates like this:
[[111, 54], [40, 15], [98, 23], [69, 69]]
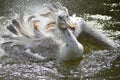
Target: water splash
[[95, 65]]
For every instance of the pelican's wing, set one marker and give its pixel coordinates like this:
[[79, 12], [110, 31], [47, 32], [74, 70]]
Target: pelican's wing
[[18, 26], [82, 26], [24, 24], [19, 51], [12, 29], [98, 35]]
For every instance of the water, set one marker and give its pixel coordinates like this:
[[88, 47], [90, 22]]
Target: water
[[97, 63]]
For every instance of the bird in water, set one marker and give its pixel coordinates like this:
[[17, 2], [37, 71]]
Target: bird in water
[[50, 35]]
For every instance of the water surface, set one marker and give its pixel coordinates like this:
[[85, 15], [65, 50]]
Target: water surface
[[97, 63]]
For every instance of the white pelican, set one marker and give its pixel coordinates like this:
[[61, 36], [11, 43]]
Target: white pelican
[[70, 48], [51, 35], [48, 18]]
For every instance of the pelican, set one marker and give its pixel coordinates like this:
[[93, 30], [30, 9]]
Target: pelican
[[51, 35], [79, 25], [70, 48]]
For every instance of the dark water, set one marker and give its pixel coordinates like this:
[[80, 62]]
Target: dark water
[[97, 64]]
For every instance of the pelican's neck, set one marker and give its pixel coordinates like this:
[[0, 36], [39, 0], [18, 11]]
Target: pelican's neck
[[68, 37], [71, 48]]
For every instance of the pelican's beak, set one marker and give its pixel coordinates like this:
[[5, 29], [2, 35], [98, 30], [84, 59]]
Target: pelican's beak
[[70, 24]]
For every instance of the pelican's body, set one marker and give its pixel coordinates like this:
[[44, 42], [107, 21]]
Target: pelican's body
[[51, 35], [71, 49]]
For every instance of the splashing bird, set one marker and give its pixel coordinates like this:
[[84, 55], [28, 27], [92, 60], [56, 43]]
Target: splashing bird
[[51, 35]]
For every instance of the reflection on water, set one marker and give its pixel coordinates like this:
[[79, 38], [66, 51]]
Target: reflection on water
[[103, 64]]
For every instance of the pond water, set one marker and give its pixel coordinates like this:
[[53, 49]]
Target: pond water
[[97, 63]]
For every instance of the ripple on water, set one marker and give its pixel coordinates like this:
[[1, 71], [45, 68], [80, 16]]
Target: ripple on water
[[97, 65], [93, 64]]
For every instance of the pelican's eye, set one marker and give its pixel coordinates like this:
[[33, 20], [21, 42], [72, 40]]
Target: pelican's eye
[[60, 17], [67, 16]]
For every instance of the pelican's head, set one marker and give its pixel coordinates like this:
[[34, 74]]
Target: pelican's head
[[63, 21]]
